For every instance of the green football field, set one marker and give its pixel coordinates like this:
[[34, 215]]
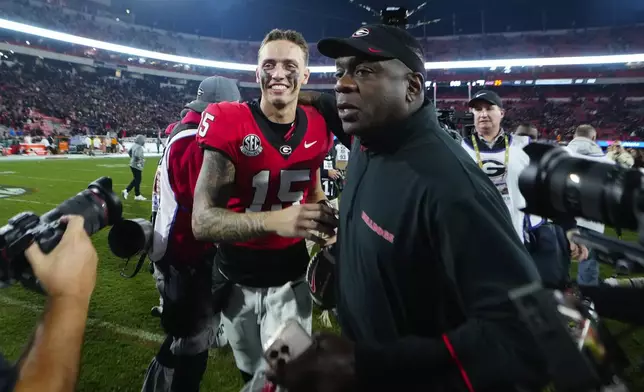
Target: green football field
[[121, 337]]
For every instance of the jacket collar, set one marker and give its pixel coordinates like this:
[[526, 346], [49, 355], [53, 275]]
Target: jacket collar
[[391, 137], [493, 143]]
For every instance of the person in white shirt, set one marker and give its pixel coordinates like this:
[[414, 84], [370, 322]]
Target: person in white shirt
[[97, 143], [341, 155], [45, 143], [494, 149], [90, 145], [500, 155]]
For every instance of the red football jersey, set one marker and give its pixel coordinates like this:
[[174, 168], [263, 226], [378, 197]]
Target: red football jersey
[[272, 171]]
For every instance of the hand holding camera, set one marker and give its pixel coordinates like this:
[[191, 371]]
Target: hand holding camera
[[69, 270]]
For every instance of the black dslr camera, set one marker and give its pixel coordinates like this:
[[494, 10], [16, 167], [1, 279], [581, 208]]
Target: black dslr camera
[[97, 204], [100, 207], [581, 353]]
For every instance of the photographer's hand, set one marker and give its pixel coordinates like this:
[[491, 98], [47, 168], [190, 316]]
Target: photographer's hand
[[578, 252], [68, 274], [70, 269]]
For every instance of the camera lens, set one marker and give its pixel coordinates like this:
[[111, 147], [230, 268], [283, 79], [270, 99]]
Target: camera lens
[[556, 184], [97, 204]]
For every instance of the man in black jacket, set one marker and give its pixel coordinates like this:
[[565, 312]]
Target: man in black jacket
[[426, 258]]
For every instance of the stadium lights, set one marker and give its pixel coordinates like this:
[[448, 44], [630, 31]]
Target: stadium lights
[[440, 65], [92, 43]]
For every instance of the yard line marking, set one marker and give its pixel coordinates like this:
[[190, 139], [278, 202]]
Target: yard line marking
[[56, 205], [85, 170], [79, 181], [119, 329], [116, 328]]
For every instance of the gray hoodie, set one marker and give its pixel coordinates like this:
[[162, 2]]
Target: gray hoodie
[[137, 159], [585, 146]]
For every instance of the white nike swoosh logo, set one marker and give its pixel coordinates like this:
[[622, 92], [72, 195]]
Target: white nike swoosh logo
[[307, 145]]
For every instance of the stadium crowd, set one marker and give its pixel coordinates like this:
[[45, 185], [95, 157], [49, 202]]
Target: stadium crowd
[[81, 20], [96, 103], [83, 101]]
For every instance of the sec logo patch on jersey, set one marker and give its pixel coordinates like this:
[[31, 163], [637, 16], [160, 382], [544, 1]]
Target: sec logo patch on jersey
[[251, 146]]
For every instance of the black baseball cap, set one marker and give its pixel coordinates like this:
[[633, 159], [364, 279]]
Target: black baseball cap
[[486, 96], [380, 41], [212, 90]]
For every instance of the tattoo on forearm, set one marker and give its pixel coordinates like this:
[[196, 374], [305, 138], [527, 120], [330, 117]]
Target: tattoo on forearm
[[211, 220]]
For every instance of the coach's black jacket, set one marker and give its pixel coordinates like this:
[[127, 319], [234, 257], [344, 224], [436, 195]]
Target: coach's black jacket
[[427, 255]]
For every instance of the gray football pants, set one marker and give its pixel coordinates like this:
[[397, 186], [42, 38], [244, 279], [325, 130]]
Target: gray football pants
[[253, 315]]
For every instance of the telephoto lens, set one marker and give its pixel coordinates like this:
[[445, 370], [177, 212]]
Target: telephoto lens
[[557, 184]]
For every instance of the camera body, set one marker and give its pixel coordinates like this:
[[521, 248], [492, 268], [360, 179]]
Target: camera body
[[22, 230]]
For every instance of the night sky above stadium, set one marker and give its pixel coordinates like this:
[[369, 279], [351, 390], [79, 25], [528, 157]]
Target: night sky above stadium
[[251, 19]]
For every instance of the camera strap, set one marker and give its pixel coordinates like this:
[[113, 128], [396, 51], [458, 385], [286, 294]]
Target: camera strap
[[142, 258], [138, 267]]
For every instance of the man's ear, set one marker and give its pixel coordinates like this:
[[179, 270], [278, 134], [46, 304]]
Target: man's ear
[[307, 75], [415, 85], [257, 76]]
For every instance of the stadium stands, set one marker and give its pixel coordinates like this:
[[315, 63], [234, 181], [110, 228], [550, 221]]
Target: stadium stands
[[105, 27], [80, 99]]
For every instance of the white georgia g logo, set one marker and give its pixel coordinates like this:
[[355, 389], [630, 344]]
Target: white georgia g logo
[[493, 168], [361, 32]]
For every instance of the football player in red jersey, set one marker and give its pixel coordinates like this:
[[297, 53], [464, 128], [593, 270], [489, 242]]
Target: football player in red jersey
[[258, 196]]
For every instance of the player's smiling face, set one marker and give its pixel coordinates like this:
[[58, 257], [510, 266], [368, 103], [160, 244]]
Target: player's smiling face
[[281, 72]]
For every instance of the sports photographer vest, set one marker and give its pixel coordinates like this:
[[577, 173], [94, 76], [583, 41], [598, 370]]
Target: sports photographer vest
[[505, 156]]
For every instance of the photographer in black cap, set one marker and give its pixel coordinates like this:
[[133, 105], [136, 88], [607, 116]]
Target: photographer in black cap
[[427, 251]]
